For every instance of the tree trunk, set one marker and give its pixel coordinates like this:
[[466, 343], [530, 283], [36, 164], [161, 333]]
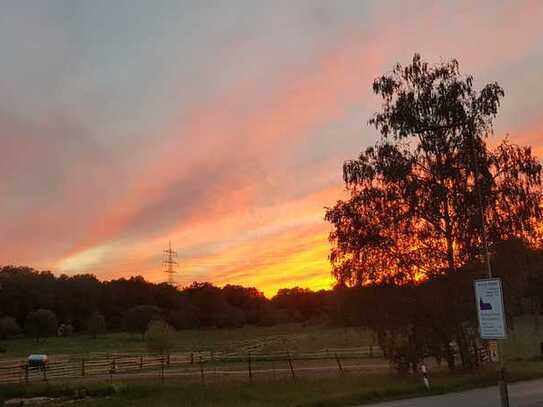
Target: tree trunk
[[451, 362], [449, 238]]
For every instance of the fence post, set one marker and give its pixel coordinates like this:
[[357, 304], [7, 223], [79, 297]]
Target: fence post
[[191, 358], [141, 362], [168, 360], [250, 369], [291, 366], [162, 368], [112, 370], [339, 366], [202, 369], [477, 355], [83, 367], [26, 373]]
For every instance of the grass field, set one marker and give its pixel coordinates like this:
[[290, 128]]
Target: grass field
[[525, 339], [348, 390], [294, 337], [522, 349]]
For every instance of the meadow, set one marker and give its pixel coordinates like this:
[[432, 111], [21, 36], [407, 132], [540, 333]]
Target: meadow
[[292, 337], [523, 341], [328, 391], [355, 386]]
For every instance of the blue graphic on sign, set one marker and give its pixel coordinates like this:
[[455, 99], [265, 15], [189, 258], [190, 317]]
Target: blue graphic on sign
[[484, 306]]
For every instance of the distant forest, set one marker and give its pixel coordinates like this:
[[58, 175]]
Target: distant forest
[[82, 303], [123, 303]]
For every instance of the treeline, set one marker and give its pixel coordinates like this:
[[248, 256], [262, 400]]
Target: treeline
[[436, 309], [434, 317], [82, 303], [437, 316]]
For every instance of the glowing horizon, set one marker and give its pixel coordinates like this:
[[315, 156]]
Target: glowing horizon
[[222, 129]]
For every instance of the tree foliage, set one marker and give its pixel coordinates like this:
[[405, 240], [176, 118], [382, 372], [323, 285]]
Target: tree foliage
[[137, 319], [415, 197], [76, 299], [96, 324], [160, 337], [9, 328], [41, 323]]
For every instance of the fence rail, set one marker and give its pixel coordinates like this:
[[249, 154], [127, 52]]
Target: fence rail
[[201, 365], [188, 363]]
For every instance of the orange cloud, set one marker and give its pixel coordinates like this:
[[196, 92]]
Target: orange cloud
[[218, 182], [237, 130]]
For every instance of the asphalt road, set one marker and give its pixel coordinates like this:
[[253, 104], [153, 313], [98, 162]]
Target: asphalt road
[[523, 394]]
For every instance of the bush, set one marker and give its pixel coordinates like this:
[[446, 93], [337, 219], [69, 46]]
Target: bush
[[96, 324], [137, 319], [231, 317], [9, 328], [41, 323], [160, 337], [184, 318]]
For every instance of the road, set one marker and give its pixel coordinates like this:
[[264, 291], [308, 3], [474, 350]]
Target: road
[[523, 394]]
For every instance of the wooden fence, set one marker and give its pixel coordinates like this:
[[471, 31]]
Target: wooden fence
[[197, 364], [202, 366]]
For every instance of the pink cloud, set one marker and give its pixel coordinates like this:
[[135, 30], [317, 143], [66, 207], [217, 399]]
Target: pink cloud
[[222, 168]]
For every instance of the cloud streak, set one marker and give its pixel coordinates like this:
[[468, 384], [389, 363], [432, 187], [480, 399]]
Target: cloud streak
[[231, 154]]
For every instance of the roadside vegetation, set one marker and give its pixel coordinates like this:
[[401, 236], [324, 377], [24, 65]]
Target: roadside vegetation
[[347, 390]]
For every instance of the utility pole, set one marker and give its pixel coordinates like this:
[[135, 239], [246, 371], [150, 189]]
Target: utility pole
[[169, 263], [502, 380]]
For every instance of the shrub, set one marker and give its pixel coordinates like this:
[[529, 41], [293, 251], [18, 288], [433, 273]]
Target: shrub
[[160, 337], [96, 324], [41, 323], [9, 328]]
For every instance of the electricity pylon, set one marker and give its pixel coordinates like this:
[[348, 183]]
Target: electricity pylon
[[169, 264]]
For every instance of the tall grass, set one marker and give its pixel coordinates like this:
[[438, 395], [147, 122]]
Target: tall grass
[[337, 391], [524, 339], [296, 337]]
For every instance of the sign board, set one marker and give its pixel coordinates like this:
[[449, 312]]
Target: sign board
[[489, 303]]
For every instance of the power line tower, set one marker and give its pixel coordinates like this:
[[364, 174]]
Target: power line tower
[[169, 263]]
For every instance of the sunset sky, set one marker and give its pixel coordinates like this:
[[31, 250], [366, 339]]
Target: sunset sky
[[219, 125]]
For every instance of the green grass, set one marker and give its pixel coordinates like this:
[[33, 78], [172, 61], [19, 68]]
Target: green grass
[[521, 349], [295, 337], [524, 340], [335, 391]]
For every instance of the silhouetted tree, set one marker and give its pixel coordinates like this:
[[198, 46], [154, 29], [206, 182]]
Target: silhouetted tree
[[414, 210], [96, 324], [160, 337], [414, 203], [230, 317], [208, 302], [137, 318], [249, 300], [41, 323], [9, 328], [301, 304]]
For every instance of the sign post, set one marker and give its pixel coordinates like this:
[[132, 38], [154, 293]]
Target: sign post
[[490, 310], [491, 315]]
